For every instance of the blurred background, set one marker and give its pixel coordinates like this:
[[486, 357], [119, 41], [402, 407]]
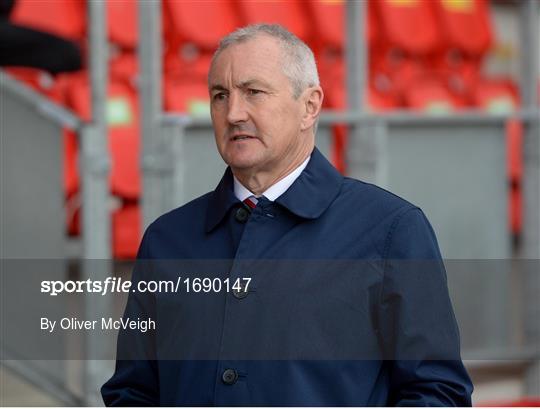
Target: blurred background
[[105, 125]]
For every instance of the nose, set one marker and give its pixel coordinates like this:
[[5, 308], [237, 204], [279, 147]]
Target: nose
[[237, 111]]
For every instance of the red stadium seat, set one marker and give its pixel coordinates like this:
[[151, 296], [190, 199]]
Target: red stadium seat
[[496, 96], [124, 67], [459, 72], [65, 18], [193, 30], [393, 71], [201, 23], [328, 19], [430, 96], [335, 98], [122, 23], [289, 14], [126, 231], [191, 65], [467, 36], [465, 25], [186, 96], [124, 138], [407, 37], [408, 25]]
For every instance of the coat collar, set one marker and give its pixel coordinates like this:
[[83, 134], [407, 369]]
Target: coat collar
[[308, 197]]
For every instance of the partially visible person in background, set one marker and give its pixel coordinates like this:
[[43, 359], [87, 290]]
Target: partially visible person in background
[[25, 47]]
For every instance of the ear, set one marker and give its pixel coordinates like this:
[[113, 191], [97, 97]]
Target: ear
[[313, 99]]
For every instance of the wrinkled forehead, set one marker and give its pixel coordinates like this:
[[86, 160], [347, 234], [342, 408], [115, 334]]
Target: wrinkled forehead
[[261, 57]]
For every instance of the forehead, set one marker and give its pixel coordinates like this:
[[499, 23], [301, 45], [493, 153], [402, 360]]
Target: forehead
[[260, 58]]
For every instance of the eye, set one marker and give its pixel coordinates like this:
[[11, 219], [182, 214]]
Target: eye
[[253, 91], [220, 96]]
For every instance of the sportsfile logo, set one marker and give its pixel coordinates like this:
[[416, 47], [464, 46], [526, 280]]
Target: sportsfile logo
[[118, 285]]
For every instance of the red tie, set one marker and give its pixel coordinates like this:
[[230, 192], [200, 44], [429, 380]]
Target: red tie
[[251, 202]]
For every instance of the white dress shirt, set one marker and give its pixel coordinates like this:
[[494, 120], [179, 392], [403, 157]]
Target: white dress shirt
[[274, 191]]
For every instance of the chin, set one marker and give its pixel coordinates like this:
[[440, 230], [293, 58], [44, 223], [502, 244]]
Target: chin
[[241, 165], [243, 161]]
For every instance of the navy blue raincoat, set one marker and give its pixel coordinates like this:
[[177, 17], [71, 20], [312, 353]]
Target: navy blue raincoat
[[346, 304]]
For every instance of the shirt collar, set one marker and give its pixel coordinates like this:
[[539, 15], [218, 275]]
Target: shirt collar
[[308, 196], [274, 191]]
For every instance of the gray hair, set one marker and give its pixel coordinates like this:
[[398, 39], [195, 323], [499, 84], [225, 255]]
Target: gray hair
[[299, 65]]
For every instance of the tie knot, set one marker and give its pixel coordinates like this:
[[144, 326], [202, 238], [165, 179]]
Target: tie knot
[[251, 202]]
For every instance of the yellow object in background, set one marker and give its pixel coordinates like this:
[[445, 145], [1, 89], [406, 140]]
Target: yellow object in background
[[501, 105], [438, 108], [458, 5], [119, 112], [199, 108], [401, 3]]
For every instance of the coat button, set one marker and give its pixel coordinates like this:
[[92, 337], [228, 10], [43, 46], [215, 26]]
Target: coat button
[[240, 293], [229, 376], [242, 214]]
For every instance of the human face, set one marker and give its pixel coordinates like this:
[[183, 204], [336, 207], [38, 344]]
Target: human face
[[259, 126]]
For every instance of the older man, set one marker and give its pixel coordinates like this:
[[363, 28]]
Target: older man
[[340, 296]]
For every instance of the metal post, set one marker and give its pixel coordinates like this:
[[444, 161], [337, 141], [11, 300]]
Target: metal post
[[95, 157], [96, 163], [150, 55], [356, 60], [529, 54], [356, 55], [95, 193], [531, 153]]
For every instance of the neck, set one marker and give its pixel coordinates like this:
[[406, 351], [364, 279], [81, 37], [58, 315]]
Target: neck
[[258, 181]]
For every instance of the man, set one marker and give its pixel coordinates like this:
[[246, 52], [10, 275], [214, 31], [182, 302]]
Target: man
[[346, 302]]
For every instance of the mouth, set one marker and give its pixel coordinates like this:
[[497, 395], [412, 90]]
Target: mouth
[[241, 137]]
